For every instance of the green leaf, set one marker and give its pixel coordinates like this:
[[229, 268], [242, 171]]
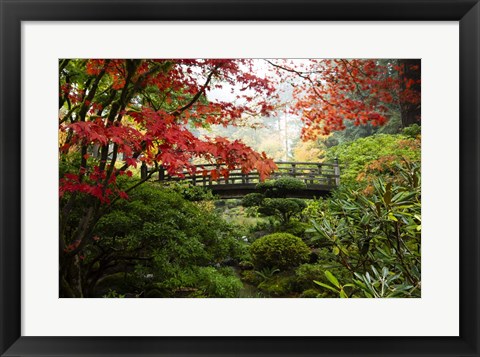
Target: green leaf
[[326, 286], [387, 196], [335, 250], [332, 279], [391, 217]]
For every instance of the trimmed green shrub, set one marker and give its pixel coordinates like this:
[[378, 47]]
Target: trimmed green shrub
[[252, 200], [279, 250], [282, 208], [280, 187]]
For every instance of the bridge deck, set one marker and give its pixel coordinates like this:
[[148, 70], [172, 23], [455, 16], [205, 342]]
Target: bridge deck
[[320, 178], [240, 190]]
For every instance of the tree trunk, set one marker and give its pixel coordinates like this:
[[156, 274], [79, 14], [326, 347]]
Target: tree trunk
[[70, 274], [71, 278], [410, 103]]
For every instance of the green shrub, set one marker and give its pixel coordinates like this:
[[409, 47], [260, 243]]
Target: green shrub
[[412, 131], [277, 286], [296, 228], [113, 294], [282, 208], [167, 237], [245, 265], [218, 283], [252, 200], [279, 250], [251, 277], [374, 154], [280, 187], [305, 274], [310, 293], [273, 201], [381, 230], [192, 193]]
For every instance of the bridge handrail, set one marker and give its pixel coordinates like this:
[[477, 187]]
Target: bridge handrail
[[310, 172], [281, 163]]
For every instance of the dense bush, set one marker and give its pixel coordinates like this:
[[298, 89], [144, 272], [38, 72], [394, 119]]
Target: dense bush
[[160, 240], [277, 286], [252, 200], [412, 131], [280, 187], [364, 159], [296, 228], [378, 232], [218, 283], [305, 274], [192, 193], [279, 250]]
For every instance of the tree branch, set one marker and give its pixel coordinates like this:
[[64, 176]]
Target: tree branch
[[197, 96]]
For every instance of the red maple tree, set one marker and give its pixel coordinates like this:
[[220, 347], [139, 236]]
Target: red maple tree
[[329, 92], [115, 113]]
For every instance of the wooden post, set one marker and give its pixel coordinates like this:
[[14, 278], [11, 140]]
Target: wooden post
[[337, 172], [143, 170], [319, 166], [294, 170]]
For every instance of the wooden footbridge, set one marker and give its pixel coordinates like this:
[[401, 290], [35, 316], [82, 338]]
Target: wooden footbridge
[[320, 178]]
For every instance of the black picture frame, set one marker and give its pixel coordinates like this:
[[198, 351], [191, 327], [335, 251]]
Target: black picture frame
[[467, 12]]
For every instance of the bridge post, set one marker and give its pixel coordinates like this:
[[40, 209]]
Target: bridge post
[[143, 171], [294, 170], [319, 166], [337, 172]]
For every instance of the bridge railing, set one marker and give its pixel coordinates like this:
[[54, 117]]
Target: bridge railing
[[312, 173]]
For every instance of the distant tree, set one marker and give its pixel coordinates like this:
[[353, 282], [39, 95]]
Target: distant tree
[[330, 92], [410, 93]]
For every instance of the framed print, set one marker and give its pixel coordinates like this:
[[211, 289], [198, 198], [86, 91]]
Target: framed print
[[239, 178]]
